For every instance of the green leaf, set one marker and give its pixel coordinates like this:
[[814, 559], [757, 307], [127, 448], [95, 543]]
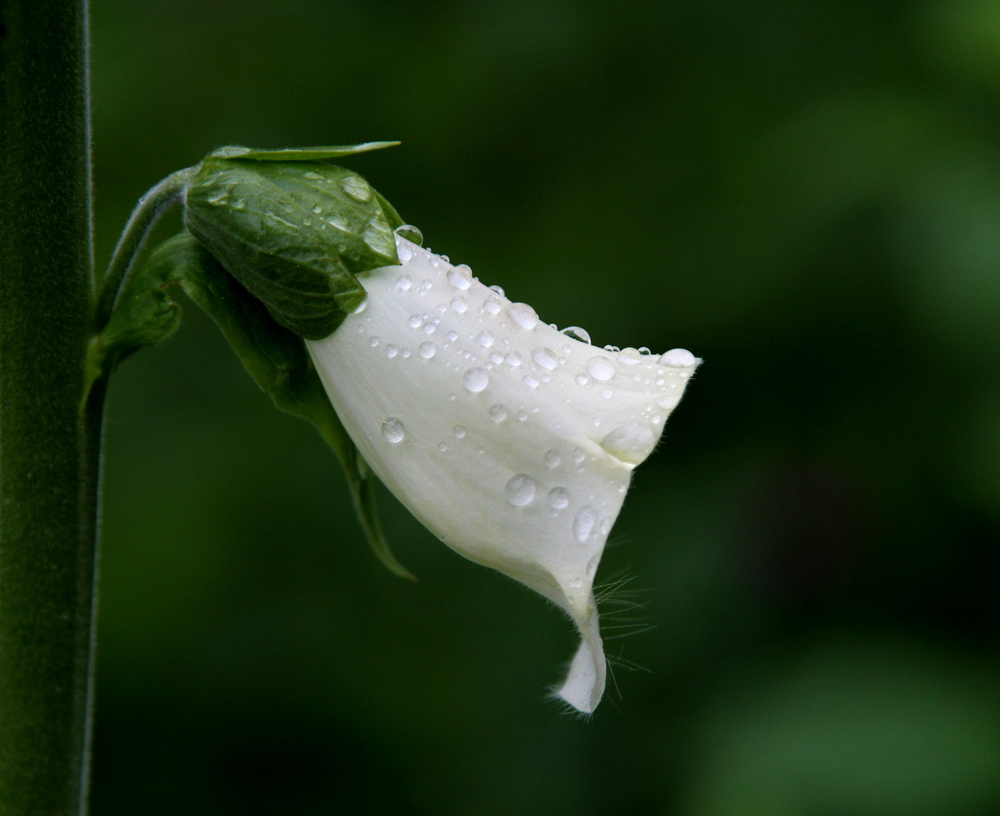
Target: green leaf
[[296, 154], [294, 233], [275, 358]]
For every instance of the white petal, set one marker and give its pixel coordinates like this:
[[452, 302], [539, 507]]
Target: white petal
[[551, 429]]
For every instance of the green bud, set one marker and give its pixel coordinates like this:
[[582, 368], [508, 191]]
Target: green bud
[[293, 229]]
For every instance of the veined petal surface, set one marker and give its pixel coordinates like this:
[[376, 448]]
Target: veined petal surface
[[511, 441]]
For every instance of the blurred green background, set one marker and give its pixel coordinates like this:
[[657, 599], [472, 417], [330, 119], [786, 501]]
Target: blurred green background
[[806, 194]]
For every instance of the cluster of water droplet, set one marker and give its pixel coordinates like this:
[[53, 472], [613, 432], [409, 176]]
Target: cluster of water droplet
[[483, 339]]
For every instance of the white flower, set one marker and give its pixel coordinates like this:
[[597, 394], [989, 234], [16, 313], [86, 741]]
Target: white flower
[[511, 441]]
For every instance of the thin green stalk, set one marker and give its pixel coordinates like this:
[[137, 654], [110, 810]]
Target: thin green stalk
[[49, 442], [147, 212]]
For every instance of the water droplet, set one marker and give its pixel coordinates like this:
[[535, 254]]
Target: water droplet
[[475, 380], [578, 455], [460, 277], [576, 583], [404, 282], [317, 209], [485, 339], [496, 357], [584, 523], [459, 304], [361, 306], [427, 350], [404, 353], [442, 447], [552, 458], [577, 334], [356, 187], [668, 401], [404, 252], [629, 356], [513, 359], [415, 321], [312, 176], [391, 350], [522, 415], [530, 381], [393, 431], [498, 413], [498, 290], [459, 432], [582, 379], [643, 350], [678, 358], [558, 498], [411, 234], [452, 336], [520, 490], [601, 368], [523, 315], [545, 357], [630, 443], [607, 393], [492, 306], [613, 349], [373, 341]]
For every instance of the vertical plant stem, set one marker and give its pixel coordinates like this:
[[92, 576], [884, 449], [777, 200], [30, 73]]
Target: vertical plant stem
[[49, 430]]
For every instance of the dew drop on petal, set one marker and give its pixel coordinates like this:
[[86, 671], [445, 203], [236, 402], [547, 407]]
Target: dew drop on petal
[[530, 381], [668, 401], [578, 455], [373, 341], [496, 358], [361, 306], [629, 356], [411, 234], [485, 339], [459, 304], [584, 523], [391, 350], [545, 357], [522, 415], [523, 315], [513, 359], [630, 443], [498, 413], [492, 306], [393, 431], [452, 336], [601, 368], [415, 321], [582, 379], [427, 350], [678, 358], [460, 277], [442, 447], [558, 498], [498, 290], [520, 490], [459, 432], [607, 393], [475, 380], [404, 282], [577, 334], [552, 458], [404, 353]]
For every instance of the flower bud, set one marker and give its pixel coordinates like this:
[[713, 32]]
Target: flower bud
[[294, 232]]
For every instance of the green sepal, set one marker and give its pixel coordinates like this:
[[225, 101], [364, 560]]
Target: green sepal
[[275, 358], [294, 231], [296, 154]]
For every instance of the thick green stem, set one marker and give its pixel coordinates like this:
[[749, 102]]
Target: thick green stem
[[49, 442]]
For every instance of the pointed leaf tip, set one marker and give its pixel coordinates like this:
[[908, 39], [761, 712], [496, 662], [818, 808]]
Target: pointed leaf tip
[[297, 154]]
